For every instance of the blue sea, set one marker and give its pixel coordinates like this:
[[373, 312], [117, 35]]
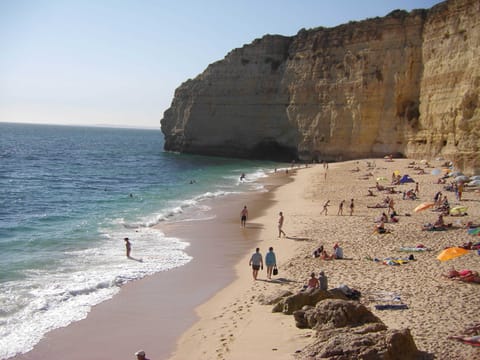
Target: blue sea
[[69, 195]]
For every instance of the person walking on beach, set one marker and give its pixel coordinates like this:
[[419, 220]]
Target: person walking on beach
[[325, 208], [340, 208], [270, 262], [244, 216], [128, 246], [256, 262], [280, 225], [352, 207]]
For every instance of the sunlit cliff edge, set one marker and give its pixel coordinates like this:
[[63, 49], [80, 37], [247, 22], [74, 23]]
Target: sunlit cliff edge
[[406, 84]]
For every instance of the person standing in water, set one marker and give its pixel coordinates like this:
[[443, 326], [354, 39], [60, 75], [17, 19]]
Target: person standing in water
[[128, 246], [244, 216]]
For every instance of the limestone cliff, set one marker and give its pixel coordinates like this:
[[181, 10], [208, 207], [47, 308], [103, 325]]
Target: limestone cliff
[[407, 83]]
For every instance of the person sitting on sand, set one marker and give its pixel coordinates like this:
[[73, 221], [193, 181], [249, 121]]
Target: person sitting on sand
[[312, 284], [337, 252], [380, 228], [379, 187], [323, 281], [370, 193], [440, 223], [393, 217], [317, 252], [324, 255]]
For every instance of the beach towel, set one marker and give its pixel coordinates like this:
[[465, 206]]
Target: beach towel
[[391, 307], [413, 249]]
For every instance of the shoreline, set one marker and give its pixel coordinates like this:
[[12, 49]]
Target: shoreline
[[151, 313]]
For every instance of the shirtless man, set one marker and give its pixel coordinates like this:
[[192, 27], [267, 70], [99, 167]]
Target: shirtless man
[[280, 225], [244, 216]]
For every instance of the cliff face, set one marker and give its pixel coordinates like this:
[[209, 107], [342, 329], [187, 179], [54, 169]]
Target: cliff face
[[407, 83]]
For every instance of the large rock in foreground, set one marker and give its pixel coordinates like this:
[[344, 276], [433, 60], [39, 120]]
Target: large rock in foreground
[[407, 83], [347, 330]]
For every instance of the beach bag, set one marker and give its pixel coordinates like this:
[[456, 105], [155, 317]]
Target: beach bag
[[275, 271]]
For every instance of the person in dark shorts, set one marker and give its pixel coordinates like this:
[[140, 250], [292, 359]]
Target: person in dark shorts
[[244, 216], [256, 262]]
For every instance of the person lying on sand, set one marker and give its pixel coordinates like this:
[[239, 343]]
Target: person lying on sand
[[377, 206], [472, 340], [463, 275]]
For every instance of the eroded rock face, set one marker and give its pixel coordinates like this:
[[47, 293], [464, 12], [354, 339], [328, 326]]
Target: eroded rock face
[[407, 83], [348, 330]]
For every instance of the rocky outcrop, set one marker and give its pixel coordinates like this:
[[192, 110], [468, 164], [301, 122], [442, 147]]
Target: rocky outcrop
[[407, 83], [348, 330]]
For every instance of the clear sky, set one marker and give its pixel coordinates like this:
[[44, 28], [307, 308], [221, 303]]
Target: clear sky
[[118, 62]]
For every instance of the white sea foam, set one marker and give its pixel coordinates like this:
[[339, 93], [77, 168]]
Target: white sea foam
[[49, 300]]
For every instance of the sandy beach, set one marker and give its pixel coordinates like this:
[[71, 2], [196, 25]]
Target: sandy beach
[[214, 301], [234, 325]]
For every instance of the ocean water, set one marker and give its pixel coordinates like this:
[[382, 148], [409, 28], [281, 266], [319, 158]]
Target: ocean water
[[69, 195]]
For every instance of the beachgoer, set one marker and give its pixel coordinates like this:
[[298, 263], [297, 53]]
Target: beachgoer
[[340, 208], [390, 205], [325, 208], [280, 225], [324, 255], [128, 246], [337, 252], [318, 251], [313, 283], [141, 355], [244, 216], [242, 177], [323, 281], [459, 191], [352, 206], [380, 228], [270, 262], [256, 262]]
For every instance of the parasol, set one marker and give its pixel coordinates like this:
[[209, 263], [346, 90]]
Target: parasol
[[451, 253]]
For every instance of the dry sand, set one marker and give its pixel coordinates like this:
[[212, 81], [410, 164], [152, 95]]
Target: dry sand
[[233, 325]]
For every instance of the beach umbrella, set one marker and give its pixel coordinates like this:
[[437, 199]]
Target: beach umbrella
[[461, 178], [451, 253], [458, 210], [436, 172], [424, 206], [382, 178]]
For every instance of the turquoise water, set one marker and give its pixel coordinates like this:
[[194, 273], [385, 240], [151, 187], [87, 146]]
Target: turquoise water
[[70, 195]]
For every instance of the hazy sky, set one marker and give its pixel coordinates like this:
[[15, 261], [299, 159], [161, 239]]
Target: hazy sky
[[118, 62]]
